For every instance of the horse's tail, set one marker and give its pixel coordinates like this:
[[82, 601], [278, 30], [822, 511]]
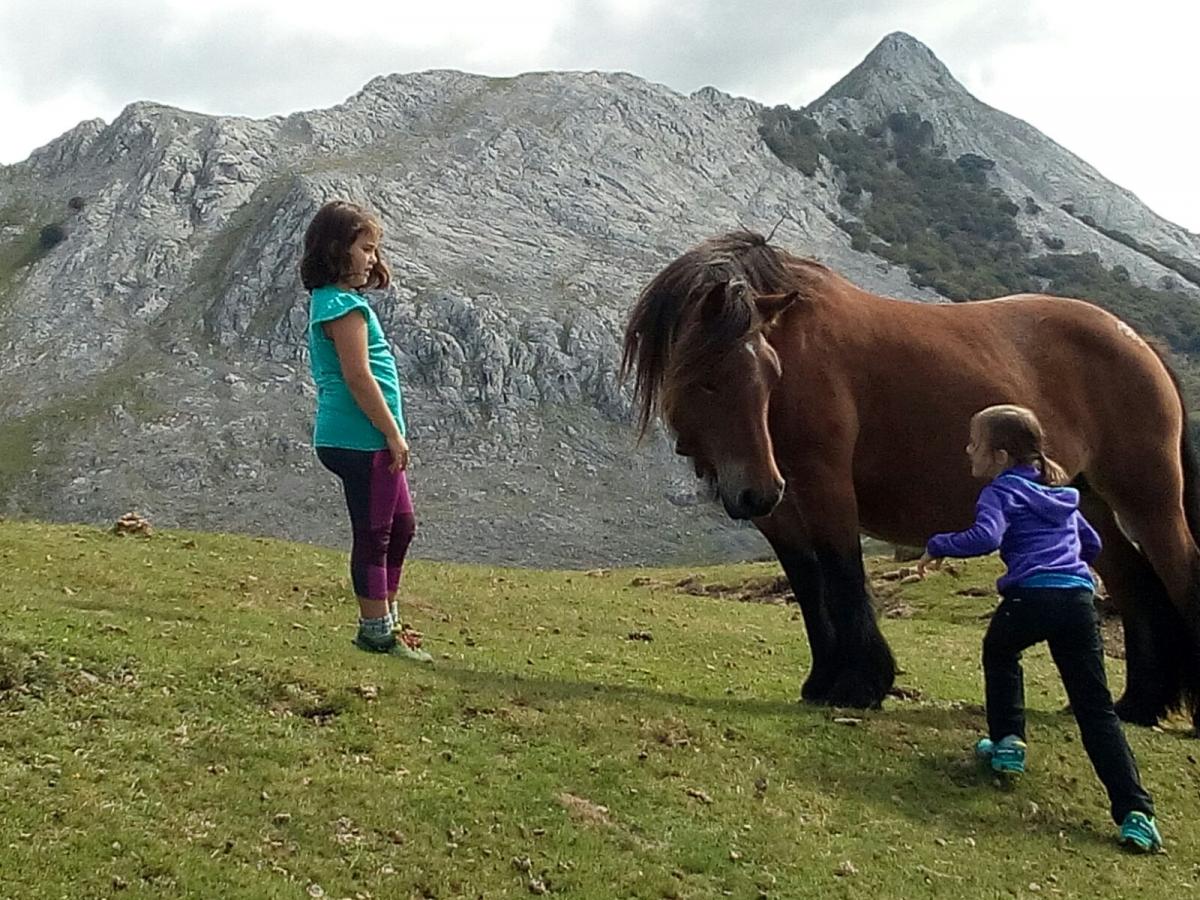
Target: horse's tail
[[1191, 479]]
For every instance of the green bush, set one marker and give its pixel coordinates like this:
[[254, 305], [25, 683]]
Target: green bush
[[939, 218], [51, 235], [794, 138], [1188, 270]]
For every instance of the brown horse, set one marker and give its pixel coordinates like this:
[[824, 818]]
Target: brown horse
[[822, 411]]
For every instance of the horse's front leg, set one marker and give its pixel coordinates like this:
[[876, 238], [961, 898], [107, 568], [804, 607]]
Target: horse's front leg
[[784, 530], [865, 669]]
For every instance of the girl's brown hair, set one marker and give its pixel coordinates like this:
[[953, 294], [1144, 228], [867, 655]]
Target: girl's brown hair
[[1017, 431], [327, 242]]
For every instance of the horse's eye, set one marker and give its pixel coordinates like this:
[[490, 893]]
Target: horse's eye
[[708, 387]]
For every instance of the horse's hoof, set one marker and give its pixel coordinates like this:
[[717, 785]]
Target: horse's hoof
[[854, 692], [816, 689], [1135, 712]]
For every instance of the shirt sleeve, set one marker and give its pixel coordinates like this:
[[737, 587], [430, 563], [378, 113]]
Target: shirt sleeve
[[981, 538], [330, 306], [1089, 541]]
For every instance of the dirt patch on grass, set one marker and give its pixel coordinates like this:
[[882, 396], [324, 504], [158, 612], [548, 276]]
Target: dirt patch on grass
[[756, 589], [667, 732], [887, 587], [24, 671], [583, 810], [773, 589], [283, 696]]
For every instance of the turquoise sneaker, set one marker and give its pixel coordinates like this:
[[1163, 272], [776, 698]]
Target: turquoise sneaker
[[984, 748], [1138, 832], [1008, 756]]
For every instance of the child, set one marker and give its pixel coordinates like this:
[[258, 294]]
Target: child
[[359, 433], [1046, 595]]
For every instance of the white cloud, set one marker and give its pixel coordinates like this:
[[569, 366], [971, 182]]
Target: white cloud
[[1118, 90]]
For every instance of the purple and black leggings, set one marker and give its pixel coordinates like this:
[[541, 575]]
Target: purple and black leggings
[[381, 517]]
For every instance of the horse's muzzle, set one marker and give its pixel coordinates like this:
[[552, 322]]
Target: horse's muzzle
[[753, 504]]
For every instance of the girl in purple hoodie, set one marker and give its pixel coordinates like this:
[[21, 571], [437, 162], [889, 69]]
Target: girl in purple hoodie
[[1029, 515]]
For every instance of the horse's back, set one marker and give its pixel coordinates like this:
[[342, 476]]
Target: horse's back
[[1103, 395], [1053, 341]]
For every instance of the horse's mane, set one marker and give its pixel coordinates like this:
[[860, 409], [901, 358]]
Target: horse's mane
[[700, 305]]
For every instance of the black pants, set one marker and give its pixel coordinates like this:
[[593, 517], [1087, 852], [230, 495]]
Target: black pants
[[1067, 620]]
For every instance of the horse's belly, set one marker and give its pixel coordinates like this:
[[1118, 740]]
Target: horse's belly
[[911, 517]]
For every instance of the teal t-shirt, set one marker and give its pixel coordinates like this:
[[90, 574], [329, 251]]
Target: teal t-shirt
[[340, 421]]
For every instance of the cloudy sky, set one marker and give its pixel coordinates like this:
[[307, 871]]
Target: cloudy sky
[[1120, 89]]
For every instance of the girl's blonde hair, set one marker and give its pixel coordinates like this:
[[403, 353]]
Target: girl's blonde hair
[[1017, 431], [327, 243]]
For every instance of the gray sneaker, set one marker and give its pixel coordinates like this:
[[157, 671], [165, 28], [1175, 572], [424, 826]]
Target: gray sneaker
[[416, 654], [390, 645], [374, 643]]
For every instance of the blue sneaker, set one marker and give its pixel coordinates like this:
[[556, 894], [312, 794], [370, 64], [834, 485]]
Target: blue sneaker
[[1138, 832], [1008, 756], [984, 748]]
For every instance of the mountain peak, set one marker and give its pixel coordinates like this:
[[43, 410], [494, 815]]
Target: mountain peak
[[899, 63], [902, 46]]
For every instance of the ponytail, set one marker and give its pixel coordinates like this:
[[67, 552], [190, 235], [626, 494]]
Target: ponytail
[[1052, 473]]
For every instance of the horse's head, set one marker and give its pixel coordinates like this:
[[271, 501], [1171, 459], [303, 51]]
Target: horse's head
[[718, 408], [698, 341]]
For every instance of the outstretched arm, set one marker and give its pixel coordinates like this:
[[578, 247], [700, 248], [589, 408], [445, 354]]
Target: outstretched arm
[[981, 538]]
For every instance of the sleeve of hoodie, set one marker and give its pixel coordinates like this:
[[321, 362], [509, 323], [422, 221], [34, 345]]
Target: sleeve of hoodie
[[1089, 541], [981, 538]]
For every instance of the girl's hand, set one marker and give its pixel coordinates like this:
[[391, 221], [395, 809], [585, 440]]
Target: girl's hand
[[928, 563], [399, 448]]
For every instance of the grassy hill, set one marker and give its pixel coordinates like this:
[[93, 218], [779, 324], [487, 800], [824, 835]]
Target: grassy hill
[[184, 715]]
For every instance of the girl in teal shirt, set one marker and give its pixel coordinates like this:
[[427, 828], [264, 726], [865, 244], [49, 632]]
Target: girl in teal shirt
[[359, 431]]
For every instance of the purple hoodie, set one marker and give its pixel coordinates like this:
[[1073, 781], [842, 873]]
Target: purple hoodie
[[1041, 536]]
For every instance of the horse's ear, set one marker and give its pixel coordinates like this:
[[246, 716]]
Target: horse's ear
[[772, 306]]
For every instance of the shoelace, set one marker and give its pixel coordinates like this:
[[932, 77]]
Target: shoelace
[[411, 638]]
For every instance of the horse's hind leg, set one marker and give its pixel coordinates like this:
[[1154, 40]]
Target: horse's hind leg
[[1151, 514], [1151, 624]]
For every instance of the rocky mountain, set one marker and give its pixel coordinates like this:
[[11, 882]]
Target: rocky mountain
[[902, 74], [152, 320]]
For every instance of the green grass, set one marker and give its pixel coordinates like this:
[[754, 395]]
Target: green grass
[[184, 715]]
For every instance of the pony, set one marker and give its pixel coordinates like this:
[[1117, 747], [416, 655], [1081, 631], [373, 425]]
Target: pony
[[820, 412]]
